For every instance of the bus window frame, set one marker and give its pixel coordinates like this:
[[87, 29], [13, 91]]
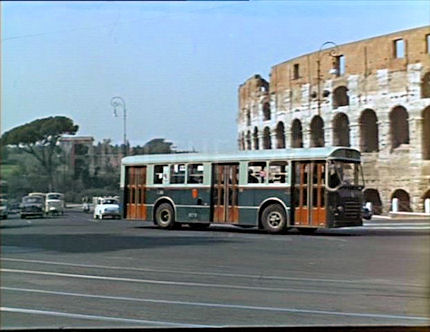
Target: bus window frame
[[259, 184]]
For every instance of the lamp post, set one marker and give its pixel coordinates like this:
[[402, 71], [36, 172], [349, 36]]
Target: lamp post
[[115, 102], [333, 53]]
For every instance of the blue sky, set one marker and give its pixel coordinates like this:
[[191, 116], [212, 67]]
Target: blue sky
[[177, 65]]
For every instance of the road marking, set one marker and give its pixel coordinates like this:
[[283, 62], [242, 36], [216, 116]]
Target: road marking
[[96, 317], [216, 274], [220, 305], [165, 282]]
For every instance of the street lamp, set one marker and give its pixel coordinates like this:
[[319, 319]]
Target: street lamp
[[334, 71], [115, 102]]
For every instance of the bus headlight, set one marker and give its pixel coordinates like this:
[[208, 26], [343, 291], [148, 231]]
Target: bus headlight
[[339, 208]]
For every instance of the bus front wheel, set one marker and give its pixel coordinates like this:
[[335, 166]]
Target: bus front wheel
[[274, 219], [165, 216]]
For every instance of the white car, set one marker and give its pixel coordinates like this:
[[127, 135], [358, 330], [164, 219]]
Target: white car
[[107, 207]]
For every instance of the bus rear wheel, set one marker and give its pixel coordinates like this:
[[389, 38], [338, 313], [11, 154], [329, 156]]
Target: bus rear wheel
[[165, 216], [274, 219]]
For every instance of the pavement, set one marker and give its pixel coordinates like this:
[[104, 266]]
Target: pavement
[[73, 272]]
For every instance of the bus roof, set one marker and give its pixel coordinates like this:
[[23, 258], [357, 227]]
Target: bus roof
[[343, 153]]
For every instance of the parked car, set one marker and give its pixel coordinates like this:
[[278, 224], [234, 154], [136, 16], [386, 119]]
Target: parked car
[[3, 208], [366, 213], [32, 206], [54, 203], [106, 207]]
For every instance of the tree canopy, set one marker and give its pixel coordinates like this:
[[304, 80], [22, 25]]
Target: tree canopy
[[40, 132], [39, 138]]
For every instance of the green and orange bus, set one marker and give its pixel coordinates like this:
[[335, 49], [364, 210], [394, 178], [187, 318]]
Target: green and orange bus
[[274, 190]]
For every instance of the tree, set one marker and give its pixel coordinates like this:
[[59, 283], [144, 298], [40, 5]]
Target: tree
[[39, 138], [154, 146]]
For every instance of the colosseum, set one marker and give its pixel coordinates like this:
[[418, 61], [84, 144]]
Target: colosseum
[[372, 94]]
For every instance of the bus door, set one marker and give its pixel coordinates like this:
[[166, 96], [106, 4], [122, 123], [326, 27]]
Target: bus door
[[224, 195], [309, 194], [136, 192]]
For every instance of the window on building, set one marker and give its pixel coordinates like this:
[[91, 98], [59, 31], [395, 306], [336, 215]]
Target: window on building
[[248, 117], [266, 111], [399, 48], [340, 65], [428, 44], [278, 172], [296, 73], [257, 172], [177, 173], [161, 174], [340, 97], [195, 173]]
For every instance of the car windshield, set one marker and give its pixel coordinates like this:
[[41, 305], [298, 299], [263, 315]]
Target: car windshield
[[110, 201], [32, 199], [345, 174], [54, 196]]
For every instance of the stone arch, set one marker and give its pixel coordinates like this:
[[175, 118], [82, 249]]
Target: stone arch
[[426, 133], [425, 86], [267, 143], [372, 196], [248, 140], [280, 135], [317, 131], [404, 200], [255, 138], [399, 127], [341, 130], [340, 96], [296, 134], [266, 111], [425, 196], [369, 136]]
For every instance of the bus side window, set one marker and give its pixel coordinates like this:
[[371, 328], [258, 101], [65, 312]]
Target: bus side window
[[160, 172], [257, 172], [195, 173], [278, 172], [177, 173]]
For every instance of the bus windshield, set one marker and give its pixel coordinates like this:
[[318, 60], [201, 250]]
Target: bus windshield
[[345, 174]]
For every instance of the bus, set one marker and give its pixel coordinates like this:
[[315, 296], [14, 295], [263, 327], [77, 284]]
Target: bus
[[273, 190]]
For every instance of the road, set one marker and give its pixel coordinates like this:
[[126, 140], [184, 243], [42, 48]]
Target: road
[[73, 272]]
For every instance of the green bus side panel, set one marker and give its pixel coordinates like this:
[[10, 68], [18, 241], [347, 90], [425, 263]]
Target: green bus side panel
[[188, 209]]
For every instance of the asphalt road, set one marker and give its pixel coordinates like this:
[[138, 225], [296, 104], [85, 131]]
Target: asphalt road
[[73, 272]]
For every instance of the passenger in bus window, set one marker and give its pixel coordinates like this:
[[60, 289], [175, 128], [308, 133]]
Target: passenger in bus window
[[251, 177]]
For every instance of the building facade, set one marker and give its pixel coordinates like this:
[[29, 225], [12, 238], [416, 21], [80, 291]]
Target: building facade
[[373, 95]]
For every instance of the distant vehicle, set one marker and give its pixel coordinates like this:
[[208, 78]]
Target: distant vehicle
[[54, 203], [32, 206], [106, 207], [3, 208], [366, 213]]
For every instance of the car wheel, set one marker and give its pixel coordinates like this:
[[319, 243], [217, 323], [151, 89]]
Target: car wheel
[[274, 219], [165, 216]]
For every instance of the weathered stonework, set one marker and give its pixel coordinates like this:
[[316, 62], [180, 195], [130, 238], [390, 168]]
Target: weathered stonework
[[379, 103]]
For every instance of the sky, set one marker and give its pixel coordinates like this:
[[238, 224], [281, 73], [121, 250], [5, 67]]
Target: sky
[[177, 65]]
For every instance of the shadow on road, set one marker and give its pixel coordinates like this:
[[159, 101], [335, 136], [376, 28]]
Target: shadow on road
[[87, 243]]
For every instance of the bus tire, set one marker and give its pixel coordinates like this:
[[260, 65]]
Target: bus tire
[[274, 219], [306, 230], [165, 216]]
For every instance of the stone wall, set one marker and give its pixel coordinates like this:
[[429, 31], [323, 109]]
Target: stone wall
[[373, 95]]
